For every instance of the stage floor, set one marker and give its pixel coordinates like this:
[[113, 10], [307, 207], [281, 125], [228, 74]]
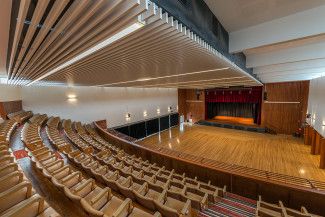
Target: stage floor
[[276, 153], [233, 120]]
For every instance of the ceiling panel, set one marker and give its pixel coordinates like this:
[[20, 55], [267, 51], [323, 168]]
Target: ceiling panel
[[129, 43]]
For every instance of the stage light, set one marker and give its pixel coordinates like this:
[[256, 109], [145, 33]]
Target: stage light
[[128, 30]]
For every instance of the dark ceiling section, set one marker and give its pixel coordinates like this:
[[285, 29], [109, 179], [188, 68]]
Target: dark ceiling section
[[196, 15]]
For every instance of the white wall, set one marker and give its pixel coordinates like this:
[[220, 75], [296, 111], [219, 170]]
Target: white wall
[[9, 93], [97, 103], [316, 104]]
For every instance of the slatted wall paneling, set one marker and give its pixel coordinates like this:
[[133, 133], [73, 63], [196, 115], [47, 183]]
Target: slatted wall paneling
[[285, 118]]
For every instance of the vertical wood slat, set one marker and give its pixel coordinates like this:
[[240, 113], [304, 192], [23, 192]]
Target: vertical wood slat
[[313, 141], [306, 135], [322, 153], [317, 143]]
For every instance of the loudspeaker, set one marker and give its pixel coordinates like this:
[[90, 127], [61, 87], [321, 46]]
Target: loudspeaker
[[197, 92], [265, 96]]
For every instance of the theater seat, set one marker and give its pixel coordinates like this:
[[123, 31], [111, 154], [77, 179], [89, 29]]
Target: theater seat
[[87, 188], [34, 206], [171, 206], [10, 180], [198, 198], [8, 168], [15, 195], [146, 195], [213, 191], [69, 181], [127, 209], [129, 186], [104, 203]]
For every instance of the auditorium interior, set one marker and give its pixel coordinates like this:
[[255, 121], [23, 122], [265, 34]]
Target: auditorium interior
[[165, 108]]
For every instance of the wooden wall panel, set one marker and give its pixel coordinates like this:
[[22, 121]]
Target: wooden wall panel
[[281, 117], [2, 111], [322, 153], [191, 106], [10, 107]]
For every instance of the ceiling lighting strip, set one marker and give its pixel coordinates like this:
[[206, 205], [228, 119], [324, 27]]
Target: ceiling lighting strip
[[167, 76]]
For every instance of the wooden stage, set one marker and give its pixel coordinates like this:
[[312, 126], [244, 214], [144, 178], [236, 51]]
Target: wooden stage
[[233, 120], [276, 153]]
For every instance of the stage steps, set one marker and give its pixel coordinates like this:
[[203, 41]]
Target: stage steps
[[231, 206]]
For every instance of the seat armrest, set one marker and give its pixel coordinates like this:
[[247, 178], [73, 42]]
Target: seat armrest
[[101, 195], [71, 176], [204, 201], [125, 207], [186, 208], [83, 185], [162, 197], [61, 169]]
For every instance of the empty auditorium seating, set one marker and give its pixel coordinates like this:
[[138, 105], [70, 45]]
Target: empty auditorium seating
[[6, 130], [20, 116], [54, 135], [17, 196], [265, 209]]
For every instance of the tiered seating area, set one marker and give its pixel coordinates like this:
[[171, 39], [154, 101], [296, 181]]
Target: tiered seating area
[[106, 181], [17, 196], [268, 209], [6, 129], [95, 200], [20, 116]]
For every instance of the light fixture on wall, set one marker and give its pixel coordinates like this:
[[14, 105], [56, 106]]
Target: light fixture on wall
[[145, 114], [170, 109], [158, 111], [72, 97], [127, 116]]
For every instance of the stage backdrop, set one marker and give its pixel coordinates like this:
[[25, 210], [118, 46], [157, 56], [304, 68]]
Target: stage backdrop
[[237, 102]]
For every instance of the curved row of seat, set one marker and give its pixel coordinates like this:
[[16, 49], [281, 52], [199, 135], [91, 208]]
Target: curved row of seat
[[270, 210], [263, 208], [139, 172], [66, 124], [20, 116], [30, 133], [95, 201], [6, 130], [17, 197], [54, 136]]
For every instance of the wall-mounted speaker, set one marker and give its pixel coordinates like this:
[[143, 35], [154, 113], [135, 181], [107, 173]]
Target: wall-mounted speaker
[[265, 96]]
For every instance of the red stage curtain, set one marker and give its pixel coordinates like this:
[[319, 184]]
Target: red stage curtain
[[245, 95]]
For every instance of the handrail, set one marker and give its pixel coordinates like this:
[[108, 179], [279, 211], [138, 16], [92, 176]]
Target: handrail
[[266, 176]]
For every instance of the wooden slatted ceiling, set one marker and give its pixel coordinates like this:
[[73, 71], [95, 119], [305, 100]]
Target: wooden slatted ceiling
[[163, 53]]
